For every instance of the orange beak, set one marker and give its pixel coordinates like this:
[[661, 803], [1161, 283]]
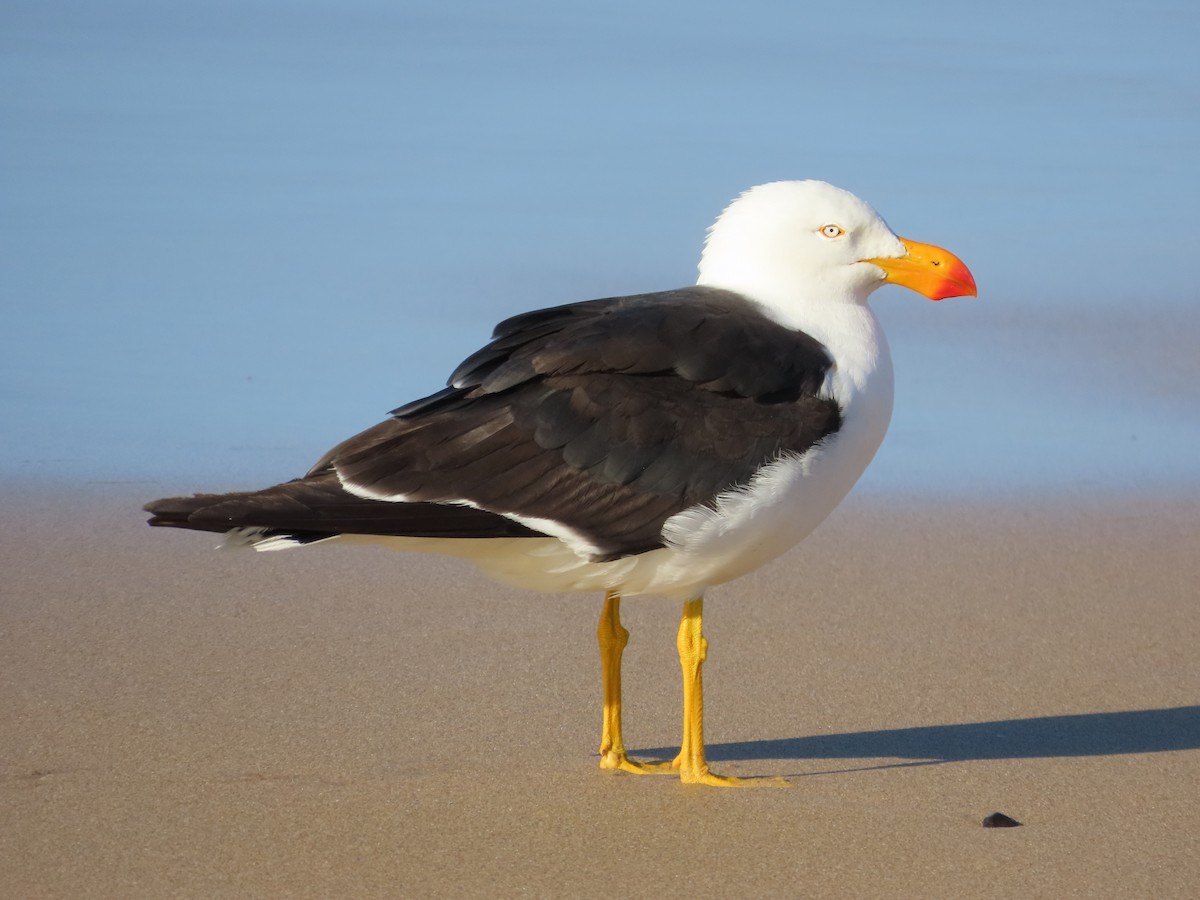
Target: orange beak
[[928, 270]]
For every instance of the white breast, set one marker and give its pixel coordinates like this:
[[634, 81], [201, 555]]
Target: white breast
[[788, 499]]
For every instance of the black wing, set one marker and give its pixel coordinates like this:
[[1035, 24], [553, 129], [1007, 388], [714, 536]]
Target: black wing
[[607, 417]]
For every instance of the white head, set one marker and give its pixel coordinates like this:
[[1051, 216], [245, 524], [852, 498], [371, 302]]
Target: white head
[[800, 243]]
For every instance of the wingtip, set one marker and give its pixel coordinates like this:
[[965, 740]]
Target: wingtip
[[174, 511]]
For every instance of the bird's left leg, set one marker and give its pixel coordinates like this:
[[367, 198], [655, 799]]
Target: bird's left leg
[[693, 651], [613, 638]]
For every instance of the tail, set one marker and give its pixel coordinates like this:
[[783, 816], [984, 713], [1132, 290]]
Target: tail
[[291, 514], [317, 508]]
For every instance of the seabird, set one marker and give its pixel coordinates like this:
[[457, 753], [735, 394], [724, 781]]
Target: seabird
[[658, 443]]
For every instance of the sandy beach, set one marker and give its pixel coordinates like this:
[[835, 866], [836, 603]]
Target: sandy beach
[[178, 722]]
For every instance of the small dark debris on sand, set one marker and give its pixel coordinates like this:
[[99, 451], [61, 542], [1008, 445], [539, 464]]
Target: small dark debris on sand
[[1000, 820]]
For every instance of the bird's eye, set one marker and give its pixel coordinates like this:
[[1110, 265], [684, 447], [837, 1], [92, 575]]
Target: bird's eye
[[833, 231]]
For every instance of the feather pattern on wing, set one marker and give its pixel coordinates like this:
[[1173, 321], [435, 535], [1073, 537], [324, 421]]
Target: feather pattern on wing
[[606, 417]]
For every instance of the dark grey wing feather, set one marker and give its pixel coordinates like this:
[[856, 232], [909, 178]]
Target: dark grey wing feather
[[315, 508], [607, 416]]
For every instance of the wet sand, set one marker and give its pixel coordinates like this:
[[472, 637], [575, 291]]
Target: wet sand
[[348, 722]]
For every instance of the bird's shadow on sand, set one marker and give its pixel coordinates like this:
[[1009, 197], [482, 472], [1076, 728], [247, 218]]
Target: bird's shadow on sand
[[1090, 734]]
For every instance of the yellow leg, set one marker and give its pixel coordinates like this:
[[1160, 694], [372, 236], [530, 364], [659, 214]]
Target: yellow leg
[[693, 650], [613, 638]]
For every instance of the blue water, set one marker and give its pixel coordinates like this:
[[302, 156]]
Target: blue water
[[232, 233]]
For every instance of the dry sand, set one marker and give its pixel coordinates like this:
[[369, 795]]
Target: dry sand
[[334, 722]]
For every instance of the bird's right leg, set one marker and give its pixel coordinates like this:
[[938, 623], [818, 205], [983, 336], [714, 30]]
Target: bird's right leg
[[613, 638]]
